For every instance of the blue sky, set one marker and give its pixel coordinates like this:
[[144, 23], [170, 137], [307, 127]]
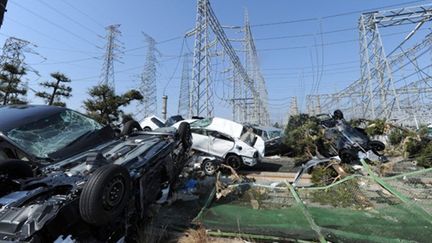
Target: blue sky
[[68, 36]]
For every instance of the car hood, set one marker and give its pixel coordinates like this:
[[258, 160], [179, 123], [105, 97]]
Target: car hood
[[226, 126]]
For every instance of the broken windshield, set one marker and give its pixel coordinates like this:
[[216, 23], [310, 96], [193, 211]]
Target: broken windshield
[[202, 122], [52, 133]]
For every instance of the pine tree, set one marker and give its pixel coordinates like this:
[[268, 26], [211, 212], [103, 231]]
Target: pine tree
[[104, 106], [59, 90], [10, 80]]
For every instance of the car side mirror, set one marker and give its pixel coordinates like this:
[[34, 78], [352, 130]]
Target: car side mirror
[[239, 147]]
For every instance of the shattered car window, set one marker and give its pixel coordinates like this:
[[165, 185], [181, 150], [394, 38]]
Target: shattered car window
[[274, 134], [52, 133], [157, 122], [202, 123]]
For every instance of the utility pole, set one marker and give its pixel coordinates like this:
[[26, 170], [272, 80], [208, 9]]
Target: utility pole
[[148, 85], [164, 106], [113, 51]]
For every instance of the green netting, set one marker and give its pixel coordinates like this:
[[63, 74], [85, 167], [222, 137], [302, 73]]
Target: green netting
[[359, 209]]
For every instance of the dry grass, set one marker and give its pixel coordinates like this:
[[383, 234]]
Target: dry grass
[[195, 236]]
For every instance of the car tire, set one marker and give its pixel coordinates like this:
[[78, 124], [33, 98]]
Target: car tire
[[129, 127], [234, 161], [376, 147], [184, 133], [347, 156], [105, 195], [147, 129], [15, 169], [209, 167]]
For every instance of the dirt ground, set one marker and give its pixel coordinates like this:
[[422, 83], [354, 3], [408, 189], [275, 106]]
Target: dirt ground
[[173, 221]]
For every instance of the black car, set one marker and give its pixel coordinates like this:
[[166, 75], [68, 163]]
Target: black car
[[346, 141], [64, 174]]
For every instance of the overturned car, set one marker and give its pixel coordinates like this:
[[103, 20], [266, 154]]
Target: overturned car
[[346, 145], [64, 174]]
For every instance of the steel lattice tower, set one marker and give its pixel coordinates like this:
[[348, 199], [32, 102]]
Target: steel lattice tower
[[201, 98], [249, 93], [14, 50], [113, 51], [184, 97], [385, 90], [257, 106], [148, 85], [294, 107]]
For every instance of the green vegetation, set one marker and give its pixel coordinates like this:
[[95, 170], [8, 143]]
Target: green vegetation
[[396, 136], [301, 133], [59, 90], [11, 85], [376, 127], [346, 194], [104, 105]]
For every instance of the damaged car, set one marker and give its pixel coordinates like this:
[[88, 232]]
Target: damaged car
[[234, 152], [233, 129], [346, 145], [62, 174], [273, 140], [235, 143]]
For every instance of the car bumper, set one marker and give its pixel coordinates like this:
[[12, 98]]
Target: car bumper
[[250, 161]]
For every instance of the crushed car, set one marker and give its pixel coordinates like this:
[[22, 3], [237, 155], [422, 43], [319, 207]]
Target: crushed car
[[346, 145], [273, 140], [234, 152], [64, 174], [233, 129], [151, 123], [237, 145]]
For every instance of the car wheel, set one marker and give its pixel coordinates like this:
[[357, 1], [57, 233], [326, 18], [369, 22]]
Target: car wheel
[[105, 195], [184, 133], [146, 129], [15, 169], [234, 161], [209, 167], [377, 147]]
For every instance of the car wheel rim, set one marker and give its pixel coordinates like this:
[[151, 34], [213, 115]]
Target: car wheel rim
[[113, 193], [209, 167], [233, 162]]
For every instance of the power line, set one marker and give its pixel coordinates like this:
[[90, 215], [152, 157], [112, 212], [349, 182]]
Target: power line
[[116, 72], [352, 68], [53, 23], [326, 44], [70, 61], [68, 50], [67, 17], [306, 67], [50, 37], [83, 13], [333, 15], [157, 43], [303, 35]]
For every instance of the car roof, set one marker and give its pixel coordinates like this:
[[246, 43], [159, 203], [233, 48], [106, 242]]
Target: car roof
[[12, 116]]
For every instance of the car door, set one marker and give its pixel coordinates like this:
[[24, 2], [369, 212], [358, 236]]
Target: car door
[[220, 144], [200, 140]]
